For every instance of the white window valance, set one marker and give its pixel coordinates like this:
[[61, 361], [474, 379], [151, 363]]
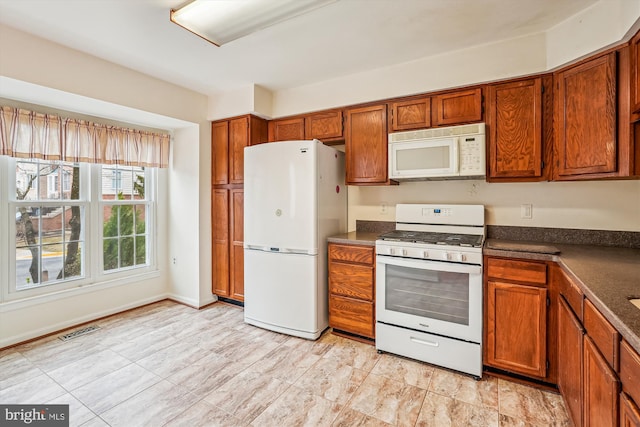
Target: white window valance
[[28, 134]]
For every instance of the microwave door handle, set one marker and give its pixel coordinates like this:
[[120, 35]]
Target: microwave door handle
[[456, 156]]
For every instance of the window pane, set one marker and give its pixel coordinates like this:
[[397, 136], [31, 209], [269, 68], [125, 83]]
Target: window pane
[[72, 261], [138, 183], [126, 220], [52, 261], [111, 219], [27, 226], [110, 251], [141, 250], [70, 182], [27, 182], [140, 218], [46, 180], [126, 251], [24, 261]]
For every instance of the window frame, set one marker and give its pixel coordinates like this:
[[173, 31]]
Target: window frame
[[90, 200]]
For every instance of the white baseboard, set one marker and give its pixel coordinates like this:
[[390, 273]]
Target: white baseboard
[[192, 302], [49, 329]]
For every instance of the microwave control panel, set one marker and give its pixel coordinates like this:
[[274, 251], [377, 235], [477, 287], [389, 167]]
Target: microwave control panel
[[472, 155]]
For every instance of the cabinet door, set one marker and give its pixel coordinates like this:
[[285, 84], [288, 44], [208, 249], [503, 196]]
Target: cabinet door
[[286, 130], [325, 126], [220, 153], [600, 389], [220, 249], [366, 145], [629, 412], [238, 139], [352, 315], [570, 334], [635, 73], [236, 255], [414, 114], [457, 107], [586, 118], [515, 129], [516, 333]]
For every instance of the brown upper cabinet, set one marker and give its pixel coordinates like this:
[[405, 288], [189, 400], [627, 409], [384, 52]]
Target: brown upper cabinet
[[515, 130], [592, 130], [457, 107], [286, 130], [228, 139], [366, 145], [325, 126], [408, 115]]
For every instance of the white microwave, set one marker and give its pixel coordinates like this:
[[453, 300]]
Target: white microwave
[[438, 153]]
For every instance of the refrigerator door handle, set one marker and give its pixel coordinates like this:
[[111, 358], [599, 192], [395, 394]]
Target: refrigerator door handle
[[280, 250]]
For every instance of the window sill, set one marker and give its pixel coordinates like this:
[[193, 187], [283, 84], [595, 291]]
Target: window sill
[[18, 304]]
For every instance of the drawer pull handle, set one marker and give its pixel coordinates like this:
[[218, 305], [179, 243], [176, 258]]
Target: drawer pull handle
[[419, 341]]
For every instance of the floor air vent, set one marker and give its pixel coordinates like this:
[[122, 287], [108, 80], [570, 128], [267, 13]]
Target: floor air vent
[[79, 333]]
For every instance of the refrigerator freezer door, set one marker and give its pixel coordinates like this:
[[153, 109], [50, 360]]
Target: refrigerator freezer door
[[280, 196], [285, 302]]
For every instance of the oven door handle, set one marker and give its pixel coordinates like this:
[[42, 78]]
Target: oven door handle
[[429, 265], [421, 341]]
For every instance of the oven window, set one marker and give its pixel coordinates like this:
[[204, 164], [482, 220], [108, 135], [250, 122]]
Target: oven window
[[426, 293]]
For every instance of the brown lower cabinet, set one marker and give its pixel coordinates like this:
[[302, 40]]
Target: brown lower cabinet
[[600, 388], [352, 289], [595, 391], [517, 317]]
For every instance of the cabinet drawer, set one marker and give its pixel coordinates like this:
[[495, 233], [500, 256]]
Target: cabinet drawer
[[355, 281], [630, 371], [350, 253], [603, 334], [520, 271], [572, 293], [351, 315]]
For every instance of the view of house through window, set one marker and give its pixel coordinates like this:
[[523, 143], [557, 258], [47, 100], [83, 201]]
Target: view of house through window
[[124, 217], [53, 207], [49, 236]]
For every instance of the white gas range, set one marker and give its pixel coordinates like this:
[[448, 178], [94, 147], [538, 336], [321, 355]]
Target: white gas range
[[429, 286]]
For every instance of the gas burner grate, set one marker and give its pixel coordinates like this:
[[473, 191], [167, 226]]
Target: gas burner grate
[[466, 240]]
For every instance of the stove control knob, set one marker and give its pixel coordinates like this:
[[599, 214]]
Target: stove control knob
[[391, 251], [404, 252], [445, 256], [425, 254], [459, 257]]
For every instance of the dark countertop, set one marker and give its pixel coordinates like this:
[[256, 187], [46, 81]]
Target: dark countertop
[[367, 238], [607, 275]]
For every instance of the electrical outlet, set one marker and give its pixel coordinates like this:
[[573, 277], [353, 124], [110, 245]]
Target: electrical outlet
[[526, 211], [384, 208], [174, 260]]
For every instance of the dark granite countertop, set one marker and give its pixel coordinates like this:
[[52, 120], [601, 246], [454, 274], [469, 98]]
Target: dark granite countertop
[[607, 275], [367, 238]]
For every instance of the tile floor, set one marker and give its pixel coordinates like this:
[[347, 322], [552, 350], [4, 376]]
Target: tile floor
[[168, 364]]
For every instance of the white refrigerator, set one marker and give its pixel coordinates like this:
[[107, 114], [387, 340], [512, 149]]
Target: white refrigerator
[[294, 198]]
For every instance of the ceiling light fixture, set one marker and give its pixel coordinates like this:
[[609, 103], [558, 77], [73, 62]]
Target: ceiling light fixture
[[221, 21]]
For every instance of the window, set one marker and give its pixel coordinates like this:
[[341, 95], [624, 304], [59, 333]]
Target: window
[[125, 216], [70, 232]]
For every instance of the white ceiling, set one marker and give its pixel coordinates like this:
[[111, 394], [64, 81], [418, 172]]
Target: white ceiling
[[345, 37]]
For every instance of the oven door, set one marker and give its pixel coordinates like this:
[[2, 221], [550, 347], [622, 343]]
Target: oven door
[[436, 297]]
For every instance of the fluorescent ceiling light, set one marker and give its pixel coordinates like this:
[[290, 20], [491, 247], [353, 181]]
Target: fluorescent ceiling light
[[221, 21]]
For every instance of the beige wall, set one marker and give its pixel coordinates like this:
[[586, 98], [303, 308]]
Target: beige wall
[[601, 205], [66, 79]]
